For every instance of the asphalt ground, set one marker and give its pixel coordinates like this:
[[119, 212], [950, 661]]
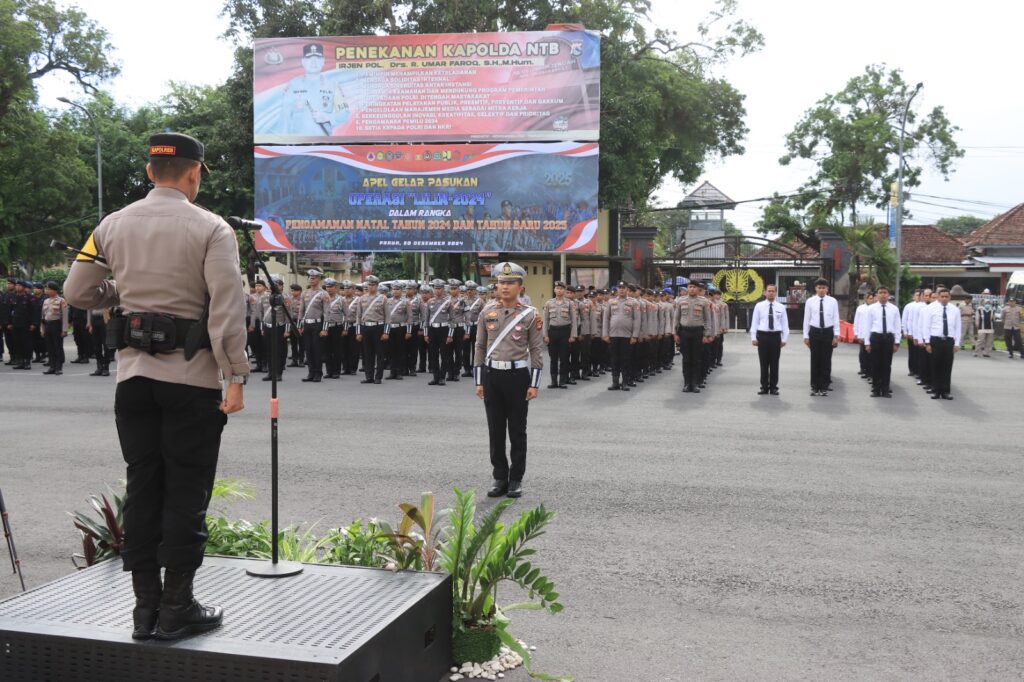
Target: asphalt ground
[[720, 536]]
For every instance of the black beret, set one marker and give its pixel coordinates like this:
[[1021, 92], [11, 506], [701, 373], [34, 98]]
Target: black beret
[[163, 145]]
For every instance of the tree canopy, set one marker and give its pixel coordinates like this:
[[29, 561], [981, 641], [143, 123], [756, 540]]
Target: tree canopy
[[961, 225]]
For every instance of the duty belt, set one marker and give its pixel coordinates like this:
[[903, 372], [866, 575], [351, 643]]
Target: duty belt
[[508, 364], [370, 324]]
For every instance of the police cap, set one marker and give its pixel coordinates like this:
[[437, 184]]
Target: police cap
[[509, 272], [454, 282], [35, 285], [424, 289], [165, 145], [559, 283], [470, 284], [314, 273], [437, 283], [312, 50], [371, 280], [276, 279], [346, 284], [330, 282], [384, 289]]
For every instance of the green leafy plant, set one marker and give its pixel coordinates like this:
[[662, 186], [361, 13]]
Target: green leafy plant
[[482, 555], [415, 549], [355, 545], [101, 538]]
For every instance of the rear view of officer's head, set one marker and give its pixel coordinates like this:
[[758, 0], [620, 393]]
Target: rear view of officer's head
[[176, 161]]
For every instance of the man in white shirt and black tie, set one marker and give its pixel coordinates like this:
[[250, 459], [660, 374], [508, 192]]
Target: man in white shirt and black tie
[[882, 325], [942, 329], [769, 332], [821, 335]]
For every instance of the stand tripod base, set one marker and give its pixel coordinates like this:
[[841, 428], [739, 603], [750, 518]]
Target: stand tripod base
[[268, 569]]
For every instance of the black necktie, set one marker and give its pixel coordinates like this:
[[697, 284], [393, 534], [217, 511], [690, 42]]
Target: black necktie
[[821, 313], [945, 322], [771, 316], [884, 330]]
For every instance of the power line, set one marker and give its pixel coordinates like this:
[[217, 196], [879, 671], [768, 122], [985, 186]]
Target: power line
[[910, 195], [45, 229], [954, 208]]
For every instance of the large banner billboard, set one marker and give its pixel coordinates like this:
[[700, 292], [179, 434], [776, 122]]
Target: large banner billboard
[[530, 86], [447, 197]]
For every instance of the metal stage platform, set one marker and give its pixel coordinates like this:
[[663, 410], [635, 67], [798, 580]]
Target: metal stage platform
[[327, 624]]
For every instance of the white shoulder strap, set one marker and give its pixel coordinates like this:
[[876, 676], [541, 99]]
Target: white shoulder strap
[[506, 330]]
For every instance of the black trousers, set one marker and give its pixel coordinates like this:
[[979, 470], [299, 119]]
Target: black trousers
[[924, 366], [396, 351], [769, 348], [256, 343], [22, 342], [583, 345], [619, 349], [691, 347], [54, 344], [881, 361], [83, 340], [282, 349], [99, 342], [39, 343], [719, 348], [912, 357], [373, 352], [821, 357], [412, 350], [313, 348], [170, 439], [1012, 339], [349, 351], [437, 352], [574, 359], [295, 341], [558, 352], [332, 350], [506, 406], [453, 351], [864, 360], [468, 348], [942, 364]]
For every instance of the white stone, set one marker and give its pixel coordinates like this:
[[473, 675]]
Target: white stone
[[454, 669], [455, 677]]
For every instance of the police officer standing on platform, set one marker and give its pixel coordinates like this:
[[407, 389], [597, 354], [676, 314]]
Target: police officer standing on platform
[[507, 367], [168, 405]]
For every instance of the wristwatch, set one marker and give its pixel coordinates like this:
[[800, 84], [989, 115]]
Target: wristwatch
[[236, 379]]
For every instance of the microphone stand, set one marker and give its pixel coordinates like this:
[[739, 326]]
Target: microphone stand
[[275, 569], [9, 536]]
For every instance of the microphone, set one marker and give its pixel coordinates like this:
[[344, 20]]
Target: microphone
[[237, 223]]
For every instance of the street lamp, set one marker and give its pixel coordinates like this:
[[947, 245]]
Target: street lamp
[[99, 157], [899, 193]]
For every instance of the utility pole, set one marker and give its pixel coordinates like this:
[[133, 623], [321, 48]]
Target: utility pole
[[899, 193], [99, 157]]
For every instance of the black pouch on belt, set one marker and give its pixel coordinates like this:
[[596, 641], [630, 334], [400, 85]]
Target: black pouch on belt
[[151, 332], [116, 330]]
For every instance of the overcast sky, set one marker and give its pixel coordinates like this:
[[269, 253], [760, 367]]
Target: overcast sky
[[966, 54]]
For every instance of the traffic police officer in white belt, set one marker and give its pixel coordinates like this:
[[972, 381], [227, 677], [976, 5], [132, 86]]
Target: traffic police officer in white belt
[[176, 344], [507, 366]]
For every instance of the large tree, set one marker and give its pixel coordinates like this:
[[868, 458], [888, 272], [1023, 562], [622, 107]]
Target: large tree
[[960, 225], [663, 112], [853, 136]]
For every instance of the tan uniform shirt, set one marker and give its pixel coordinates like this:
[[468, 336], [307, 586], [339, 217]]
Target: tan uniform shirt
[[164, 238], [560, 314], [397, 315], [586, 317], [621, 318], [524, 340], [54, 309], [693, 311], [1011, 317], [313, 303], [370, 309]]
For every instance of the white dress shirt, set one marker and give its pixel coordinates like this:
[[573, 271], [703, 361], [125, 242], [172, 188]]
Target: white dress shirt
[[859, 330], [909, 314], [921, 329], [933, 324], [812, 314], [873, 322], [759, 321]]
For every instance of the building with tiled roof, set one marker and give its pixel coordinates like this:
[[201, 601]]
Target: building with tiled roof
[[998, 245]]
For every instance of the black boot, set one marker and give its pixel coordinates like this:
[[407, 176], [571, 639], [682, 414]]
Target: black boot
[[180, 613], [148, 591]]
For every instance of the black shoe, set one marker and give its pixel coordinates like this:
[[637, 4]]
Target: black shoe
[[515, 489], [59, 372], [773, 391], [887, 394], [435, 382], [270, 378], [614, 387], [946, 396], [624, 387], [552, 385], [366, 381], [180, 614], [696, 389], [687, 388], [702, 384], [377, 381], [97, 373], [392, 377], [441, 382], [498, 488], [572, 382], [815, 393], [562, 386], [148, 591], [309, 378], [936, 396], [763, 391], [50, 371], [466, 375], [453, 377], [876, 394]]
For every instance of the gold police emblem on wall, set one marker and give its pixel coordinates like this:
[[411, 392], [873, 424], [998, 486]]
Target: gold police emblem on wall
[[739, 285]]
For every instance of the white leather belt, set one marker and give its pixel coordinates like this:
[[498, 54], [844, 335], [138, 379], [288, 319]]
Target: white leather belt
[[435, 325], [313, 321], [505, 364], [371, 324]]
